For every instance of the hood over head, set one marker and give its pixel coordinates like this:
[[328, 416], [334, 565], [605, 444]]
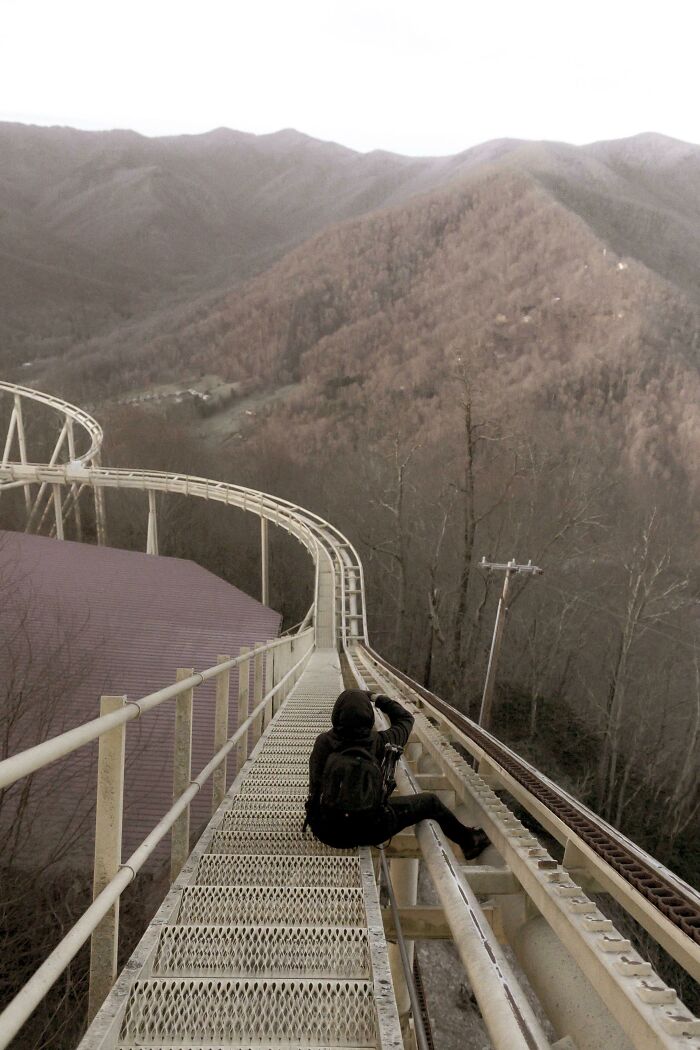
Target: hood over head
[[353, 714]]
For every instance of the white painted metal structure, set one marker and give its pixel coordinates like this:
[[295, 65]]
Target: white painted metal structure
[[267, 938]]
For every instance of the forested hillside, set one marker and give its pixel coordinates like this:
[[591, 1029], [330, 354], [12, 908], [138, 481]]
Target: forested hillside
[[493, 354], [99, 229], [110, 239]]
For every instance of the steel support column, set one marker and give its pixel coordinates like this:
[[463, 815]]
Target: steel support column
[[568, 998], [74, 488], [58, 511], [152, 535], [22, 441], [100, 510]]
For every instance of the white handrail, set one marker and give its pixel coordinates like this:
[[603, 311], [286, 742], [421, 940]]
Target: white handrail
[[33, 758], [26, 1000]]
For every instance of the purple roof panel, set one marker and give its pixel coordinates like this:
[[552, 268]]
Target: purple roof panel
[[79, 622]]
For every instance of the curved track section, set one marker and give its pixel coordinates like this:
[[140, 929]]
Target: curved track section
[[65, 410], [339, 604]]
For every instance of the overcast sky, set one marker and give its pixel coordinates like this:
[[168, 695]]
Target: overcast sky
[[413, 76]]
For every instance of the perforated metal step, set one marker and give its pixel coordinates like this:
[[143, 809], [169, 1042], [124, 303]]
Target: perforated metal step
[[266, 842], [231, 1046], [277, 951], [177, 1010], [285, 749], [273, 804], [258, 870], [279, 779], [265, 820], [260, 788], [289, 763], [298, 905]]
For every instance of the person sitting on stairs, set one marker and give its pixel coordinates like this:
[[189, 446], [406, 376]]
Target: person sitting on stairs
[[349, 802]]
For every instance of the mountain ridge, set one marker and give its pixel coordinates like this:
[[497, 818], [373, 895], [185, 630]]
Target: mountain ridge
[[152, 224]]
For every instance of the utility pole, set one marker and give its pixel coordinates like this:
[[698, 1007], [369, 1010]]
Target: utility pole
[[509, 568]]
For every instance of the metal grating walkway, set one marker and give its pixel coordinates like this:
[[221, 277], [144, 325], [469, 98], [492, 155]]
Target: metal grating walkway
[[268, 938]]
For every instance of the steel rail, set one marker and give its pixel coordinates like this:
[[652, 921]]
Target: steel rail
[[19, 1009], [675, 901]]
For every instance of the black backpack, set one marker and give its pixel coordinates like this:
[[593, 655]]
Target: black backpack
[[352, 784], [355, 784]]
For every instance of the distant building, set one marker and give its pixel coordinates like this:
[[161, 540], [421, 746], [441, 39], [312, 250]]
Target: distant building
[[77, 622]]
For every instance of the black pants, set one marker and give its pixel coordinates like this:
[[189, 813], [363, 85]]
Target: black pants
[[407, 810], [402, 811]]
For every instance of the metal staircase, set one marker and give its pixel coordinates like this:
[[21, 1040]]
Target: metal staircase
[[268, 938]]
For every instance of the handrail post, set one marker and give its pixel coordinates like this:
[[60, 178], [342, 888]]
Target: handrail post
[[291, 663], [182, 774], [256, 728], [277, 672], [281, 668], [270, 683], [218, 790], [108, 849], [286, 663], [243, 705]]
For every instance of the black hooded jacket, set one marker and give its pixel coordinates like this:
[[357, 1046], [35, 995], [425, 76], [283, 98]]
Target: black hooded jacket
[[353, 724]]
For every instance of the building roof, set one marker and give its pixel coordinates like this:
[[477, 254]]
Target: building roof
[[80, 621]]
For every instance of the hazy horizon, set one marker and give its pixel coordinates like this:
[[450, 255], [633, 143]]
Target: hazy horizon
[[48, 123], [399, 77]]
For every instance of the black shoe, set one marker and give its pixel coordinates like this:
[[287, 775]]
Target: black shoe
[[475, 842]]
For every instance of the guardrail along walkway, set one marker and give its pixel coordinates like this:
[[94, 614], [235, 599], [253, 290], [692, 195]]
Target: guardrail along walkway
[[268, 937]]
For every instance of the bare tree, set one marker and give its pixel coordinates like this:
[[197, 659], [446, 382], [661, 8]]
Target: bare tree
[[651, 596], [677, 798]]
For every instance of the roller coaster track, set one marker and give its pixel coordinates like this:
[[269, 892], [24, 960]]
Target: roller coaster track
[[592, 983], [673, 897]]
